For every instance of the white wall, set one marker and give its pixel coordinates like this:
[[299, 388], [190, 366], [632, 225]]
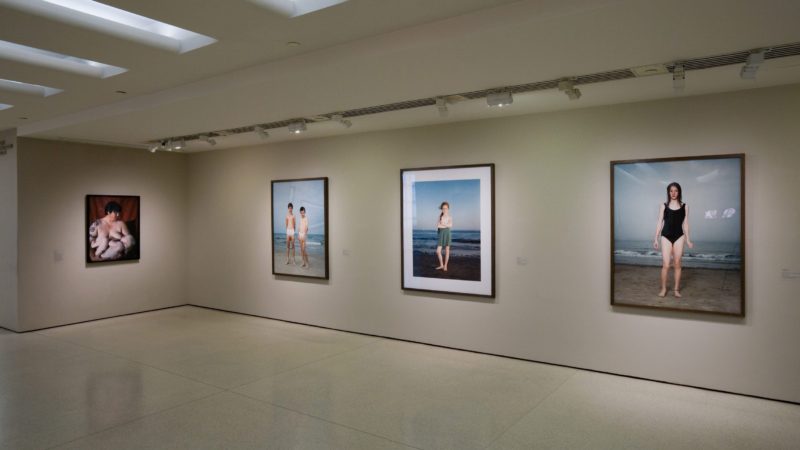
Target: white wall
[[8, 233], [552, 191], [56, 286]]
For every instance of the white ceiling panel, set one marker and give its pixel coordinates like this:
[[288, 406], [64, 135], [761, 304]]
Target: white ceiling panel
[[365, 53]]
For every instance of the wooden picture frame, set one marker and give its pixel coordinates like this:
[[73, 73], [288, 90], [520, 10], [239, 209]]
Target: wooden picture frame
[[312, 247], [468, 191], [712, 273], [112, 228]]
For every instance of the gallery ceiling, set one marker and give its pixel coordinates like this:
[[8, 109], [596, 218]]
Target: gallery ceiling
[[364, 53]]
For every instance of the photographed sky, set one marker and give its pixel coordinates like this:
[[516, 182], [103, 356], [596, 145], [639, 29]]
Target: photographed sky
[[462, 195], [710, 189], [300, 193]]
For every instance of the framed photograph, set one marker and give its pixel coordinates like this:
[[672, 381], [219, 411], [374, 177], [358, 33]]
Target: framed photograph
[[677, 229], [112, 228], [447, 237], [300, 227]]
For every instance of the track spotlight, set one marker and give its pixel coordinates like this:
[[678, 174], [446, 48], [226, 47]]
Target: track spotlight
[[441, 105], [568, 87], [207, 139], [499, 99], [340, 118], [261, 131], [297, 127], [153, 147], [678, 78], [179, 144], [754, 61]]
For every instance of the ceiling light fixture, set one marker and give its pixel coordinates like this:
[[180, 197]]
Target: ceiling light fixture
[[297, 127], [499, 99], [754, 61], [261, 131], [27, 88], [441, 105], [5, 106], [116, 22], [340, 118], [153, 147], [566, 84], [207, 139], [679, 78], [568, 87], [295, 8], [57, 61], [179, 144]]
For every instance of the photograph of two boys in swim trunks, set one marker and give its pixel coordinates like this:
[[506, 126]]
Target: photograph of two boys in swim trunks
[[677, 228], [300, 227]]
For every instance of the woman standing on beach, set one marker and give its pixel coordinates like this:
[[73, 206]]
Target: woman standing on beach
[[443, 227], [673, 231]]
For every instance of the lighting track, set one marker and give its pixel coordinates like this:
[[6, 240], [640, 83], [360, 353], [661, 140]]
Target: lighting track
[[707, 62]]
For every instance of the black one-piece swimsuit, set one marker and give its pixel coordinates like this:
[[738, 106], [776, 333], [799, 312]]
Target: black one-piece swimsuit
[[673, 222]]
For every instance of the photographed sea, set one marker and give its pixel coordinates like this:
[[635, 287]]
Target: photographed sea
[[705, 255], [465, 255], [464, 243]]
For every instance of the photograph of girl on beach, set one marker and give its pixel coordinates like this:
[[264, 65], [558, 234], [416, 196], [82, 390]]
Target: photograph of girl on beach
[[447, 230], [299, 227], [677, 232]]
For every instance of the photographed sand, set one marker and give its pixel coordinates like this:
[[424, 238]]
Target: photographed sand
[[459, 267], [316, 269], [715, 290]]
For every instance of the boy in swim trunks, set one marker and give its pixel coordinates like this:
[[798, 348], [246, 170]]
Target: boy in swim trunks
[[302, 235], [290, 235]]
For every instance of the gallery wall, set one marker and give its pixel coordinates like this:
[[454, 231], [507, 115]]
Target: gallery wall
[[8, 233], [56, 285], [552, 248]]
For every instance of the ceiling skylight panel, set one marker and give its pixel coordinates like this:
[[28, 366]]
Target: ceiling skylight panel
[[57, 61], [27, 88], [116, 22], [295, 8]]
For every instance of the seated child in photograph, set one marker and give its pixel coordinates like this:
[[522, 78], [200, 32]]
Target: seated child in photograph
[[109, 235]]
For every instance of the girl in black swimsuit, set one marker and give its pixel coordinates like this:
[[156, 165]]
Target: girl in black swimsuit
[[671, 233]]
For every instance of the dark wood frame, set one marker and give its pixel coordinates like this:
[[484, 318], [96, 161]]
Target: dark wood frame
[[741, 158], [272, 226], [402, 242], [138, 229]]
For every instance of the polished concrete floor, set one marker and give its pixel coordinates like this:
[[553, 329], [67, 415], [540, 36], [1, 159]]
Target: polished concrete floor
[[193, 378]]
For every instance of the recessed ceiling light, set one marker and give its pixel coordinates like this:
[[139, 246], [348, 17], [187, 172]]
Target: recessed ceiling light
[[5, 106], [26, 88], [120, 92], [53, 60], [293, 44], [23, 118], [294, 8], [116, 22]]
